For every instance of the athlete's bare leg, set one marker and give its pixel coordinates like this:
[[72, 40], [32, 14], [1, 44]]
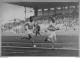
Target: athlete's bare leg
[[54, 40], [46, 39], [53, 45], [39, 33], [31, 38]]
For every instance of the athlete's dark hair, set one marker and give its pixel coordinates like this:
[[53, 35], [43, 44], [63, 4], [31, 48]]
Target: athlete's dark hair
[[53, 20], [31, 19]]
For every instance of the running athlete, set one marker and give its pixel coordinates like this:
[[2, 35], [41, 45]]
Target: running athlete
[[37, 29], [30, 28], [51, 32]]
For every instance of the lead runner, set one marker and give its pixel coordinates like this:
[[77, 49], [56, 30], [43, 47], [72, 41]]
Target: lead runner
[[30, 29]]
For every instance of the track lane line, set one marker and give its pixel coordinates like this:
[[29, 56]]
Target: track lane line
[[38, 47]]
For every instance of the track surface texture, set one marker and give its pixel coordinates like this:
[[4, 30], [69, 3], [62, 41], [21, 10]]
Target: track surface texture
[[67, 45]]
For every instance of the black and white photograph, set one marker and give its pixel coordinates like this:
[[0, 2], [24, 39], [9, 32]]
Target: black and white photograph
[[40, 29]]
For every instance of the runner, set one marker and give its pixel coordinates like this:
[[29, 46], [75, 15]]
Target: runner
[[51, 32], [37, 29], [29, 26]]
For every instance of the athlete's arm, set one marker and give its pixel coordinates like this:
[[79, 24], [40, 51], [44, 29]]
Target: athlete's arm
[[26, 23]]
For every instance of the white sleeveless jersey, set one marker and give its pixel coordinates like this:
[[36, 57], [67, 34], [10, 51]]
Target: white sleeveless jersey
[[51, 26], [30, 25]]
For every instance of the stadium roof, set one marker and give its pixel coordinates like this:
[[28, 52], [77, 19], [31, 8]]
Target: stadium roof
[[40, 5]]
